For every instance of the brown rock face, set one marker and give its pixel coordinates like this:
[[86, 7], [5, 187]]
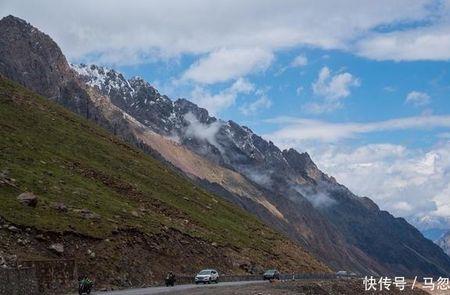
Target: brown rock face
[[34, 61]]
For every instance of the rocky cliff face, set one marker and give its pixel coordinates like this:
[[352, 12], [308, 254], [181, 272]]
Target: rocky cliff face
[[284, 188], [33, 59]]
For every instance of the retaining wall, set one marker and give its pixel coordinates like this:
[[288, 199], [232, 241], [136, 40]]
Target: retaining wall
[[18, 281], [54, 276]]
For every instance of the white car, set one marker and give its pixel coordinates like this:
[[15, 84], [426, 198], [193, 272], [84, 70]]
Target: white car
[[207, 276]]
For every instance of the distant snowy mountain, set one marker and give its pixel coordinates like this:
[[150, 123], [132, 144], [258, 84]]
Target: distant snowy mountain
[[432, 227], [427, 222], [444, 242]]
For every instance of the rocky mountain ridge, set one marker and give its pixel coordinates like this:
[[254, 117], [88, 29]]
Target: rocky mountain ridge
[[283, 188]]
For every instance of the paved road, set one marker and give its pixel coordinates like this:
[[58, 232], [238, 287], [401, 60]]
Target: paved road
[[166, 290]]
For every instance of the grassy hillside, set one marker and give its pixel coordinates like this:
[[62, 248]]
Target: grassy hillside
[[110, 187]]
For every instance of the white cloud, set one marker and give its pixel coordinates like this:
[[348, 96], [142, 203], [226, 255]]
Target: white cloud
[[225, 64], [252, 108], [143, 30], [205, 132], [297, 130], [407, 182], [299, 61], [215, 103], [389, 89], [431, 43], [332, 88], [417, 98]]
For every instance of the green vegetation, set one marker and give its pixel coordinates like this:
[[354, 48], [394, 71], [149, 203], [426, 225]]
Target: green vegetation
[[62, 157]]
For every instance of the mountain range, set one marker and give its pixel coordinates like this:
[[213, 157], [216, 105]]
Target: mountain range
[[282, 188]]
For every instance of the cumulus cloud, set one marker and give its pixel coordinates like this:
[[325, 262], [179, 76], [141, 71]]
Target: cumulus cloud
[[161, 29], [217, 102], [295, 131], [332, 88], [225, 64], [299, 61], [417, 98], [407, 182], [254, 107]]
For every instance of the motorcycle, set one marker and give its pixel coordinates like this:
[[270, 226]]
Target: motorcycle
[[85, 287]]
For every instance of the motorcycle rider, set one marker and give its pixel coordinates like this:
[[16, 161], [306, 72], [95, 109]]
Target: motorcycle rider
[[85, 285], [170, 279]]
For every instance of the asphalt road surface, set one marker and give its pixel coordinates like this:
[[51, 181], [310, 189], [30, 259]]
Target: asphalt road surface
[[162, 290]]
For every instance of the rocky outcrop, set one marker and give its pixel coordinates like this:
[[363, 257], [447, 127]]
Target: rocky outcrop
[[33, 59]]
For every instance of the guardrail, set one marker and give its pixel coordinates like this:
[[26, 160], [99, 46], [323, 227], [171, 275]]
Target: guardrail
[[235, 278], [309, 276]]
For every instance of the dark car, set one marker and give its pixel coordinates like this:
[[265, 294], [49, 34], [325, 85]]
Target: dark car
[[271, 274]]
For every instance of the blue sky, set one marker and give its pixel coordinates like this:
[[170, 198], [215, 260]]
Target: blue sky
[[363, 86]]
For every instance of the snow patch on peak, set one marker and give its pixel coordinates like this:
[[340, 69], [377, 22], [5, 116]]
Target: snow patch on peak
[[103, 78]]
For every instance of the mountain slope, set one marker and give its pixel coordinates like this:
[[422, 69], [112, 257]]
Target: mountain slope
[[97, 194]]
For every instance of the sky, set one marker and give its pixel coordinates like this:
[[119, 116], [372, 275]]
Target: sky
[[363, 86]]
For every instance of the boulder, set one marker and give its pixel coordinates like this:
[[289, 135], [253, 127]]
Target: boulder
[[60, 207], [91, 253], [28, 199], [57, 248], [88, 214], [13, 229]]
